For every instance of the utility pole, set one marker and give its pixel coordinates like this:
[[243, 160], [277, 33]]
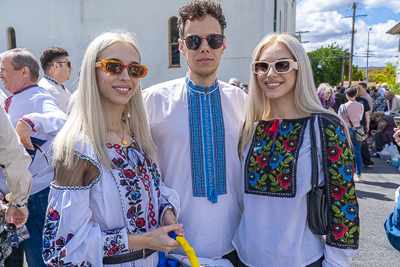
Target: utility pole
[[343, 67], [300, 32], [367, 78], [352, 42]]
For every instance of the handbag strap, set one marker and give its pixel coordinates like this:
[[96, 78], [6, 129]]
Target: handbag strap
[[345, 111], [314, 159]]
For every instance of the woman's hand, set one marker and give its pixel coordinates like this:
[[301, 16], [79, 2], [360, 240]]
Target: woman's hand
[[157, 239], [169, 219]]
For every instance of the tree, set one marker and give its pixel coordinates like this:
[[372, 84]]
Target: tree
[[327, 62], [357, 75], [388, 74]]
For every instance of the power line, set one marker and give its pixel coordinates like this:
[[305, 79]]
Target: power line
[[385, 41]]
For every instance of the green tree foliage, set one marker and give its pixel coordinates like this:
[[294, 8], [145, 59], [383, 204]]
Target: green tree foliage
[[357, 75], [327, 62], [388, 74]]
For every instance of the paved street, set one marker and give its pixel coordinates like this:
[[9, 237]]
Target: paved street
[[376, 199]]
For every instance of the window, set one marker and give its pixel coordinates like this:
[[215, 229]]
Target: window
[[174, 54], [12, 43]]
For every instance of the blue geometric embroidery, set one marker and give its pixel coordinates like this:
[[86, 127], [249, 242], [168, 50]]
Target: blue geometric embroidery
[[207, 141]]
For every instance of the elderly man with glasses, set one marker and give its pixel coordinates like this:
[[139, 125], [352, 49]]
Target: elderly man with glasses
[[195, 123], [37, 119], [57, 70]]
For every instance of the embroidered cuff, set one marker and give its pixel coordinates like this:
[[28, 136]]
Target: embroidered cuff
[[115, 241], [15, 205], [29, 123]]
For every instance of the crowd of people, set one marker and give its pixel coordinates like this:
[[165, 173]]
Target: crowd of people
[[103, 176], [372, 109]]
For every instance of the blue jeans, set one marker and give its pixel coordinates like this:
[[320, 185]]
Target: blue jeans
[[357, 151], [33, 246]]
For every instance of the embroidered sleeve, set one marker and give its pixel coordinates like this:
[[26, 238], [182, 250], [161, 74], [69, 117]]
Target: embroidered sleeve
[[29, 123], [49, 120], [70, 237], [338, 168], [169, 198]]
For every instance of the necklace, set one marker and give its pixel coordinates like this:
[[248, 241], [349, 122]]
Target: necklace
[[123, 141]]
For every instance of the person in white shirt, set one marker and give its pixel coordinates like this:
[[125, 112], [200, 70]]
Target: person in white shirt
[[195, 123], [283, 114], [108, 200], [57, 70], [37, 119], [392, 101]]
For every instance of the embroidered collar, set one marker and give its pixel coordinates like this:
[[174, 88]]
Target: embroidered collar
[[54, 81], [207, 140], [201, 89], [7, 102], [25, 88]]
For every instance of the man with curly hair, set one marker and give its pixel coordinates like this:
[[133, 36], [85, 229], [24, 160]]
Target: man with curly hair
[[196, 123]]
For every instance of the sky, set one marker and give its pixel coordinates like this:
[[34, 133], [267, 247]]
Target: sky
[[325, 20]]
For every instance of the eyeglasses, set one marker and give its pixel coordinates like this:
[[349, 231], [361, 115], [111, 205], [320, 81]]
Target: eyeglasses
[[280, 66], [68, 63], [45, 156], [116, 67], [193, 42]]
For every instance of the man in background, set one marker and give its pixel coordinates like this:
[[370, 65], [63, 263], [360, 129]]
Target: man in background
[[37, 119], [57, 70], [392, 101], [234, 82]]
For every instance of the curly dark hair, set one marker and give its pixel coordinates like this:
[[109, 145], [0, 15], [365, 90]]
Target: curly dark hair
[[197, 10]]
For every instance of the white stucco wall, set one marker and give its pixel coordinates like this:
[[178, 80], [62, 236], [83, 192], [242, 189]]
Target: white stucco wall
[[72, 24]]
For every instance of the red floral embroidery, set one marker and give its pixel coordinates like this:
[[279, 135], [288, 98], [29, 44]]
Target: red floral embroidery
[[129, 174], [140, 222], [334, 153], [290, 144], [338, 191], [262, 160], [338, 230], [284, 180]]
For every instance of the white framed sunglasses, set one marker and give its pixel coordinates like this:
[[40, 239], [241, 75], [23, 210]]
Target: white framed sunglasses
[[280, 66]]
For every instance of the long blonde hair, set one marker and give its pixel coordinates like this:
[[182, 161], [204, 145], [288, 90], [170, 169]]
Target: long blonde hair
[[305, 96], [87, 115]]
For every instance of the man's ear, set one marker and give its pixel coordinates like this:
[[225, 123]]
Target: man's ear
[[182, 47], [25, 72], [223, 46]]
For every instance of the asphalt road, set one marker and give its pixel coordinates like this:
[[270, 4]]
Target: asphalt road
[[375, 195]]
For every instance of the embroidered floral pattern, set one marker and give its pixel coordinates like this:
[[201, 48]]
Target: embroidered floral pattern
[[338, 172], [55, 251], [114, 244], [270, 168], [133, 185]]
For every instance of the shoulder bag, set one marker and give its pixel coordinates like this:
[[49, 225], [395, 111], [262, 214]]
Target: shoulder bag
[[317, 213], [359, 132]]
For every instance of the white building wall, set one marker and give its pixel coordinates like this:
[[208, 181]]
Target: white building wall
[[72, 24]]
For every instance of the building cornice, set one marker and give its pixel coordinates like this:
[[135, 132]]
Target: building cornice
[[395, 29]]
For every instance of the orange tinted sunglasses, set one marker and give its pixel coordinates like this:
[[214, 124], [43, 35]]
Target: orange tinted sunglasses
[[116, 67]]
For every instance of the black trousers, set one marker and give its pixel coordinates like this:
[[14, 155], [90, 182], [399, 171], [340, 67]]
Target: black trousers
[[365, 154]]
